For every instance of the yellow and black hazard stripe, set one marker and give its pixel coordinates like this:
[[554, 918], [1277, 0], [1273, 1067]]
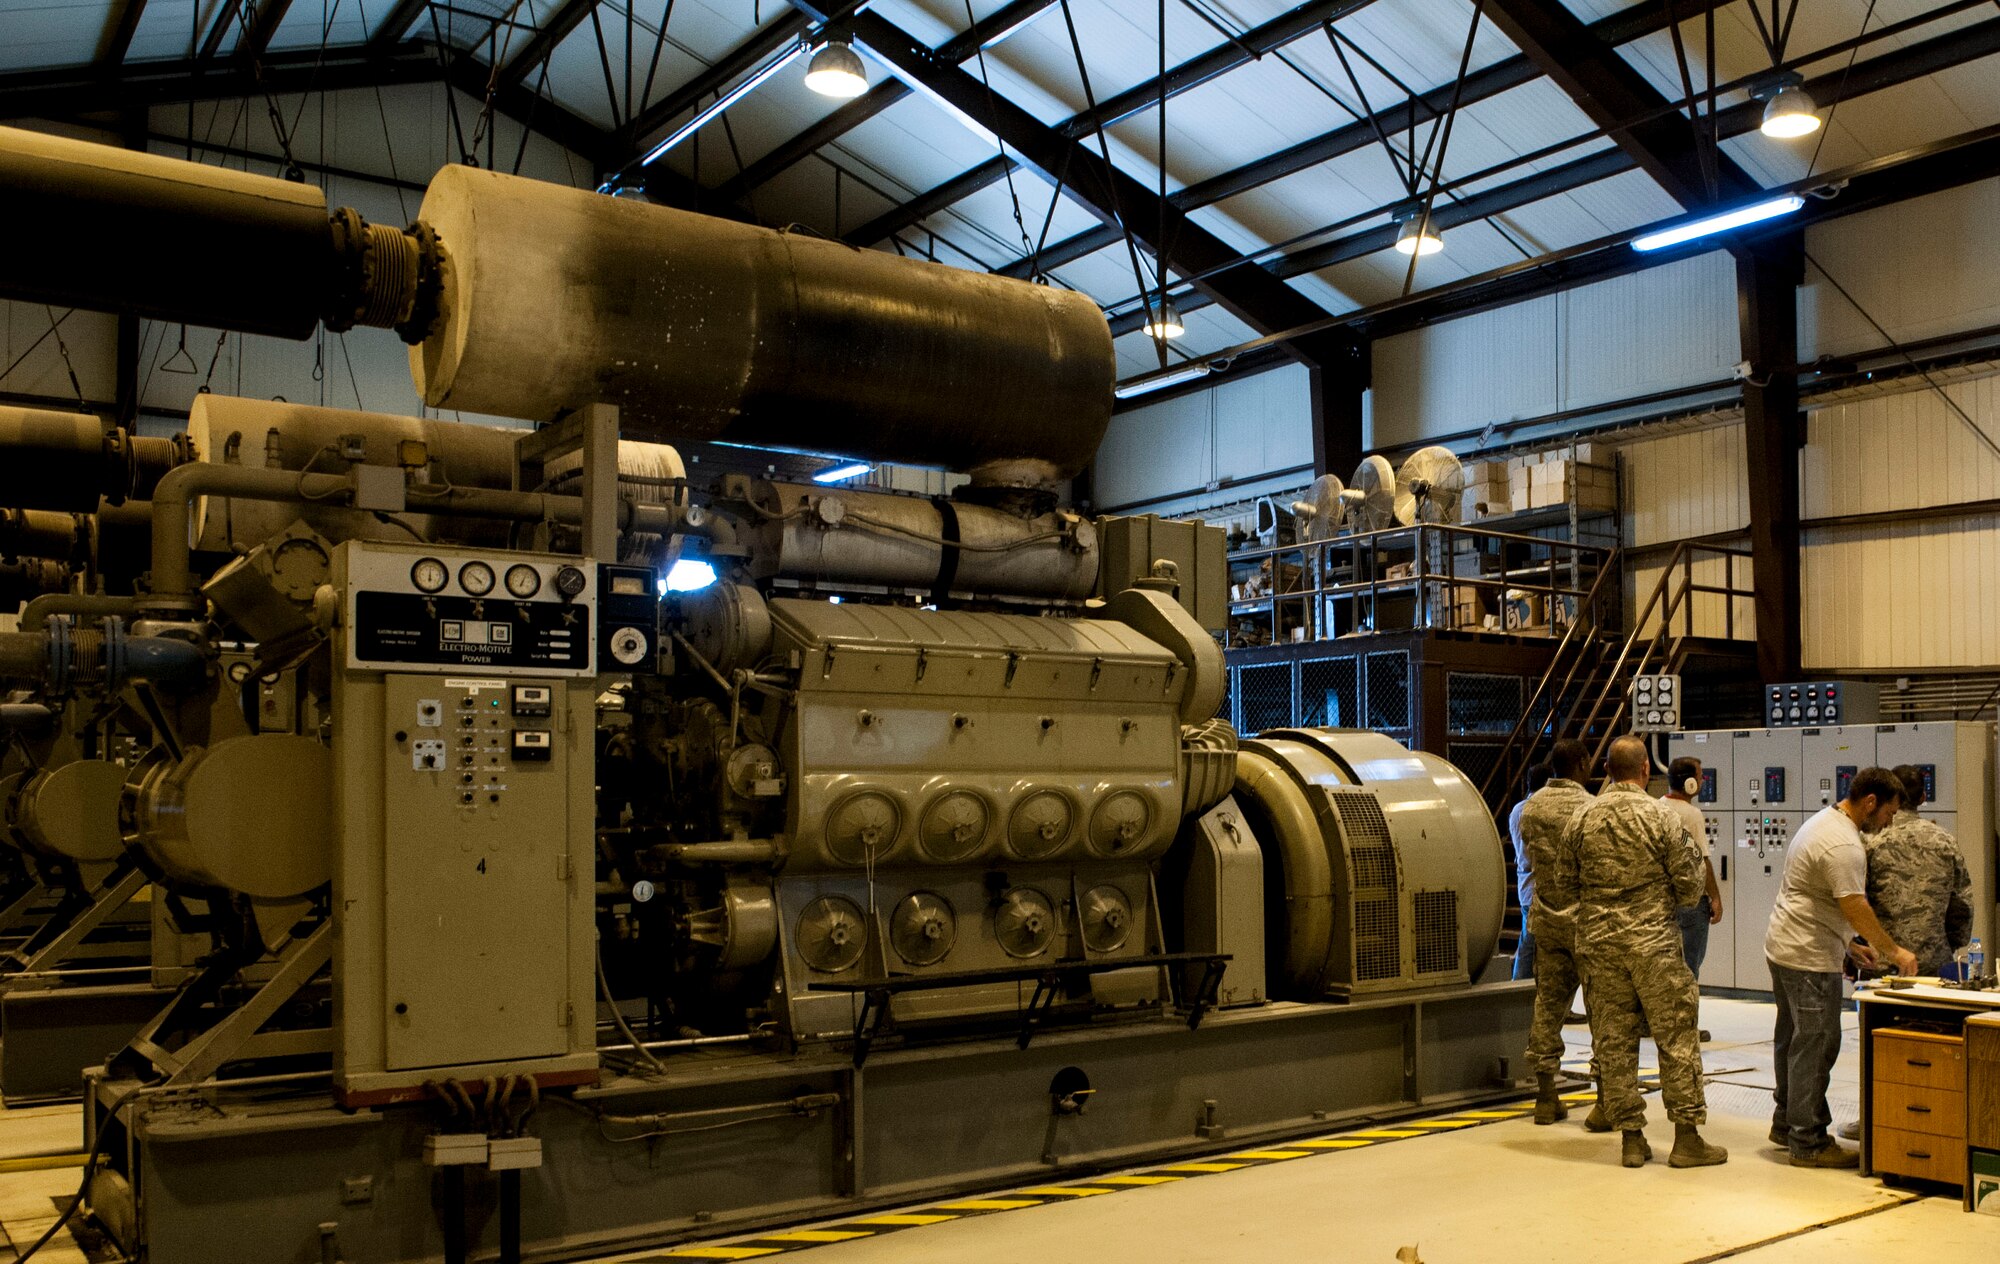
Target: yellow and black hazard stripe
[[1042, 1195]]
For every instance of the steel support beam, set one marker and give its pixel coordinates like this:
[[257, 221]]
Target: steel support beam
[[877, 99], [1667, 147], [1339, 385], [733, 65], [1481, 85], [118, 33], [396, 24], [1889, 70], [1259, 299], [81, 90], [1767, 315], [264, 23], [225, 18], [554, 30]]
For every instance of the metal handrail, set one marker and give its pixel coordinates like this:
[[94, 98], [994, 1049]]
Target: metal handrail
[[1664, 645]]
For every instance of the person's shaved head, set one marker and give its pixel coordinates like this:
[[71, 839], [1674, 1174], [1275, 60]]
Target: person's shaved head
[[1629, 760]]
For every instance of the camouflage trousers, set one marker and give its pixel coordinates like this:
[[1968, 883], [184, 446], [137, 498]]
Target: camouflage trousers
[[1556, 978], [1627, 987]]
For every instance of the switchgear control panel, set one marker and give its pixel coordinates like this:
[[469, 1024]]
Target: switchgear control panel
[[1823, 702], [407, 606]]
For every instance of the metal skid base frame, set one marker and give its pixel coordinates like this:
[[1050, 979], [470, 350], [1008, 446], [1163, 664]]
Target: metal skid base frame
[[218, 1177]]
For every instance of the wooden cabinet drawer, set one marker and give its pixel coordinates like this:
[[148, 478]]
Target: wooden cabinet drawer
[[1936, 1111], [1919, 1058], [1929, 1158]]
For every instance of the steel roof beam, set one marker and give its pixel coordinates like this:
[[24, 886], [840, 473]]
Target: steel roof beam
[[396, 25], [1258, 298], [264, 23], [118, 33], [554, 30], [733, 65], [1668, 147], [1481, 85], [78, 90], [224, 19], [1900, 66]]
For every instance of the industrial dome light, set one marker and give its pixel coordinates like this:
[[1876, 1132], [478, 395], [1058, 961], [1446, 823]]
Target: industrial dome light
[[836, 70], [1789, 113], [1416, 234], [1163, 320]]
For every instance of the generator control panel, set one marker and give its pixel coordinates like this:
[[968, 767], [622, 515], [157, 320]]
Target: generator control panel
[[1706, 794], [407, 606], [1774, 785], [1824, 702]]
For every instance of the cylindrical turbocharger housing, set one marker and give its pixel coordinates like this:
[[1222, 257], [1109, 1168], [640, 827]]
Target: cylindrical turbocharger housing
[[71, 811], [702, 328], [115, 230], [55, 460], [248, 814], [856, 537]]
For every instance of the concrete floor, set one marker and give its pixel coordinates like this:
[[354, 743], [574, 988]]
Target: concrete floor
[[1499, 1192]]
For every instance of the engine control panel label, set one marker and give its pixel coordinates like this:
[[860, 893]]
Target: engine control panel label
[[407, 629]]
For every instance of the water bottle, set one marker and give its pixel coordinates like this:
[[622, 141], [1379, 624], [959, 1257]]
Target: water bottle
[[1975, 961]]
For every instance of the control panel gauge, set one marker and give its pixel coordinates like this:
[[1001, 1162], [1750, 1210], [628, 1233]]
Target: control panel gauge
[[570, 581], [429, 575], [476, 578], [523, 581]]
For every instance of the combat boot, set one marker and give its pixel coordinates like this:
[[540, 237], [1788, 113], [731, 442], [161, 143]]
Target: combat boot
[[1636, 1149], [1595, 1120], [1691, 1151], [1548, 1100]]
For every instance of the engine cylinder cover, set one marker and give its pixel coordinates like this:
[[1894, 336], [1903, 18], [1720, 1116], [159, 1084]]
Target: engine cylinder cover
[[1024, 922], [1119, 821], [1040, 825], [954, 826], [72, 810], [1107, 918], [923, 928], [832, 931], [863, 827]]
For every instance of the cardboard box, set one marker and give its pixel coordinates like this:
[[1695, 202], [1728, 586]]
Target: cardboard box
[[1400, 570], [1520, 487], [1986, 1182], [1521, 611]]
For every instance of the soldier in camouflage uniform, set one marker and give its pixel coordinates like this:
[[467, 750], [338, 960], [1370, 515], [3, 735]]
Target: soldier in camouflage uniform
[[1544, 818], [1628, 865], [1918, 884]]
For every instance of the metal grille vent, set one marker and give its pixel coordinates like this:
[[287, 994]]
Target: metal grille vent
[[1389, 690], [1376, 954], [1371, 859], [1436, 914]]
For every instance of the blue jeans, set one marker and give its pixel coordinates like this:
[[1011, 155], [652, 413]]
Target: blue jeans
[[1694, 934], [1806, 1044], [1524, 954]]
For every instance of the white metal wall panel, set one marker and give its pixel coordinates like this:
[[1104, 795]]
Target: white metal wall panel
[[1240, 429], [1921, 268], [1655, 330], [1903, 451], [1660, 329], [1461, 374], [1682, 486], [1896, 595]]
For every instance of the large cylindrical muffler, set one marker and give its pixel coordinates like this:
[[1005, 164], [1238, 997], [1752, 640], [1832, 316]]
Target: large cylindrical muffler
[[702, 328]]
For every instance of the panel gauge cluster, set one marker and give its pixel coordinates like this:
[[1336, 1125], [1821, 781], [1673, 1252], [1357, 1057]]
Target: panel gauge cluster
[[412, 606]]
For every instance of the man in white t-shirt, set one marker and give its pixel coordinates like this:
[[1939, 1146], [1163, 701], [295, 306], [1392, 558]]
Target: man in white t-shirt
[[1822, 902]]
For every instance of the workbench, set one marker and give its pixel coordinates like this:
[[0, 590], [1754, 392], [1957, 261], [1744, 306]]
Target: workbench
[[1930, 1081]]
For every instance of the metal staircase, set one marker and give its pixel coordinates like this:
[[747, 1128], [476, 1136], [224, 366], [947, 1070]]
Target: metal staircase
[[1586, 692]]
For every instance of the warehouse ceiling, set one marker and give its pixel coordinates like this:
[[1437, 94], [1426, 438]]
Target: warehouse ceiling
[[1036, 138]]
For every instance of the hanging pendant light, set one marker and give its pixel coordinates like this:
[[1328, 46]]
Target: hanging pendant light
[[836, 70], [1416, 234], [1791, 112], [1163, 320]]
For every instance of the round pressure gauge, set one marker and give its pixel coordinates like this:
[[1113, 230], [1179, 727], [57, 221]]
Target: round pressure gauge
[[476, 578], [523, 581], [570, 581], [429, 575]]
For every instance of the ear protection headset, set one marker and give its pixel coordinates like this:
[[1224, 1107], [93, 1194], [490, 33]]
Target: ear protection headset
[[1689, 786]]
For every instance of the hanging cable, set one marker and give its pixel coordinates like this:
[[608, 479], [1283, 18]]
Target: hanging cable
[[1444, 146], [1839, 92], [1104, 150]]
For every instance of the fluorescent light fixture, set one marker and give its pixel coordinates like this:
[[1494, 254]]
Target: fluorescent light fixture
[[1160, 381], [1790, 114], [1753, 214], [840, 473], [723, 102], [1163, 320], [836, 71], [687, 575]]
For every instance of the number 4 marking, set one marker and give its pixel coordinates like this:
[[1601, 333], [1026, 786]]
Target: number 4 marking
[[482, 865]]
